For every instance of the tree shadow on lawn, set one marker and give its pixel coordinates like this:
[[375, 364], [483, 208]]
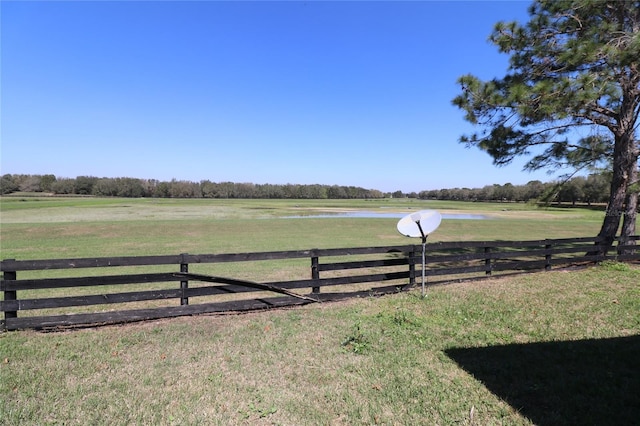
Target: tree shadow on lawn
[[583, 382]]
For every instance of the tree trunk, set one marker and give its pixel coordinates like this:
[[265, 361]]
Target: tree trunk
[[623, 199], [626, 150], [611, 221], [618, 193], [631, 210]]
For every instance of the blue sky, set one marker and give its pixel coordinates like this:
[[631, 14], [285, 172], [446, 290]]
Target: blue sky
[[347, 93]]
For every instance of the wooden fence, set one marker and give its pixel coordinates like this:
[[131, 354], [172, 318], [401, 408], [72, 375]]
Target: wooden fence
[[49, 300]]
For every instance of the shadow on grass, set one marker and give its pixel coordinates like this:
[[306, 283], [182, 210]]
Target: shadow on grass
[[584, 382]]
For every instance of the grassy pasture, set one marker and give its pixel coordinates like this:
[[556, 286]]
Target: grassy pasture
[[89, 227], [551, 348]]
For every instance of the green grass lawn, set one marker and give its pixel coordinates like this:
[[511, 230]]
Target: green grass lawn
[[559, 347], [548, 348]]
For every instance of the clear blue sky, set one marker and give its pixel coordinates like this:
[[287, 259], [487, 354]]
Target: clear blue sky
[[346, 93]]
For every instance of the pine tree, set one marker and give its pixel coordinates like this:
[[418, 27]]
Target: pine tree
[[574, 70]]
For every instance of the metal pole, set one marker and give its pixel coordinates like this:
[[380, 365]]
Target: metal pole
[[424, 249]]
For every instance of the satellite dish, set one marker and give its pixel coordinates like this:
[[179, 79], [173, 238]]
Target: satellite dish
[[419, 224]]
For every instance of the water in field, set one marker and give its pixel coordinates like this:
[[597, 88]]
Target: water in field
[[383, 215]]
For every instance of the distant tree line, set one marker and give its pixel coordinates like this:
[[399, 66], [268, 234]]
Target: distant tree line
[[591, 189], [587, 190], [136, 188]]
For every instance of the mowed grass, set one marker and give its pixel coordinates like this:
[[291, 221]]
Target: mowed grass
[[398, 359], [559, 347]]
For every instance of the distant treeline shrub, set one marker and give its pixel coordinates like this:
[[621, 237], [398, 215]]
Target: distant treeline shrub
[[133, 187], [588, 190], [591, 189]]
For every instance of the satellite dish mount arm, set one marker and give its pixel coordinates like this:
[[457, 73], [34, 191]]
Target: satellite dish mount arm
[[424, 249], [424, 237]]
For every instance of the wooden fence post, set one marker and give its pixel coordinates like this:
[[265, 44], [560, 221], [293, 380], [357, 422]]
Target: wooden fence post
[[184, 285], [487, 261], [9, 295], [547, 257], [315, 273], [412, 267]]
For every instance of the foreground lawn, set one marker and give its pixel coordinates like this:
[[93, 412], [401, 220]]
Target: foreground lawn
[[560, 347]]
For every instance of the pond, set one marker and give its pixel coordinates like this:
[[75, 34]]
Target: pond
[[381, 215]]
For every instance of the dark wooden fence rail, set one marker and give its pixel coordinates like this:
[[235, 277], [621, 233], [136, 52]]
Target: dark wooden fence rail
[[398, 267]]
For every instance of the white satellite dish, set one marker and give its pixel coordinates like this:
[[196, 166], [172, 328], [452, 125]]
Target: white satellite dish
[[419, 225]]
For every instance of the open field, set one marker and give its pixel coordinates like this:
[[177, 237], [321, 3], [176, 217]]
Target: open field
[[560, 347], [93, 227]]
